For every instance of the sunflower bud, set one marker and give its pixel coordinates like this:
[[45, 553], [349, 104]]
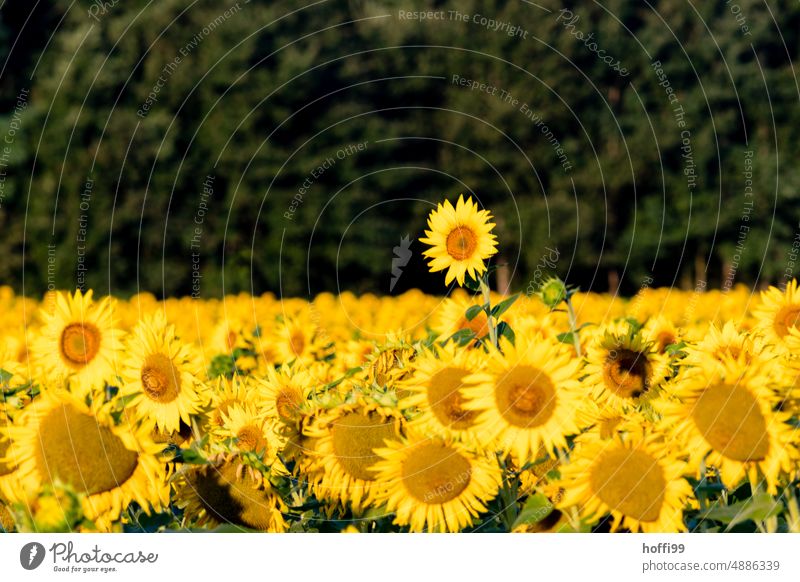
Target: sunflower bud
[[552, 292]]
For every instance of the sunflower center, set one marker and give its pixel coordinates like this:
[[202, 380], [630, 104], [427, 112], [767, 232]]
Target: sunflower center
[[288, 403], [251, 438], [79, 343], [435, 473], [478, 325], [297, 342], [74, 447], [787, 318], [160, 379], [231, 499], [355, 438], [525, 397], [627, 373], [461, 243], [629, 481], [729, 418], [664, 339], [446, 400]]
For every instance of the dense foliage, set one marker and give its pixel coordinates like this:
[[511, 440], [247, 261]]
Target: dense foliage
[[594, 159]]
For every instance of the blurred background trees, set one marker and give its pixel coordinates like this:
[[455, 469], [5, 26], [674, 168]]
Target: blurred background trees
[[262, 97]]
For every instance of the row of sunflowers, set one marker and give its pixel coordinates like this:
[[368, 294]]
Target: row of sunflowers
[[558, 411]]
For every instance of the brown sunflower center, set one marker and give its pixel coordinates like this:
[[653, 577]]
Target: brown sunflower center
[[525, 396], [664, 339], [297, 342], [355, 438], [446, 400], [787, 318], [251, 438], [627, 373], [478, 324], [233, 499], [629, 481], [288, 403], [74, 447], [160, 378], [79, 343], [461, 243], [434, 473], [729, 418]]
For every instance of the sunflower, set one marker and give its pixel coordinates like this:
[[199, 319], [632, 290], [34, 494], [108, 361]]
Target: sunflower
[[223, 493], [728, 343], [778, 313], [724, 415], [623, 369], [460, 239], [78, 341], [226, 393], [434, 485], [61, 439], [162, 375], [285, 394], [345, 441], [452, 318], [435, 389], [661, 332], [249, 431], [632, 476], [295, 340], [526, 397]]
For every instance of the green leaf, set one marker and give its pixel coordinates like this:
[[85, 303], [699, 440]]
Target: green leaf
[[757, 508], [471, 284], [192, 457], [472, 312], [503, 306], [536, 508], [462, 336], [504, 330], [565, 338]]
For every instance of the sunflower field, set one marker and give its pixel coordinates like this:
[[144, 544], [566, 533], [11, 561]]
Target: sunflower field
[[556, 411]]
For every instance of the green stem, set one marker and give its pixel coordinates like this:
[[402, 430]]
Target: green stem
[[487, 299], [576, 341]]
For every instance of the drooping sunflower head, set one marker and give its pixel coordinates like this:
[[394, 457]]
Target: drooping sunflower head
[[434, 485], [435, 391], [345, 441], [78, 341], [725, 416], [779, 312], [162, 375], [61, 439], [633, 477], [224, 493], [527, 397], [624, 369], [460, 239]]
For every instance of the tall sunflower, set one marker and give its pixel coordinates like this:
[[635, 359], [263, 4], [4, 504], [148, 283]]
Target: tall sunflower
[[631, 476], [724, 414], [435, 389], [460, 239], [527, 396], [61, 439], [623, 369], [435, 485], [162, 374], [345, 441], [78, 341]]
